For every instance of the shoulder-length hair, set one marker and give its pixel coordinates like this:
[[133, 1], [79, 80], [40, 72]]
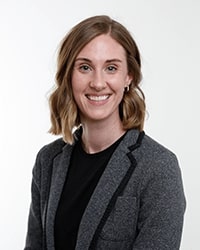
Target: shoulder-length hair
[[63, 109]]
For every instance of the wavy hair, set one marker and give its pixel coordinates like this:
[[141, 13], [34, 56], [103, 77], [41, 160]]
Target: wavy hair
[[63, 109]]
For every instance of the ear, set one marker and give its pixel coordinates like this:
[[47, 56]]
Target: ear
[[128, 81]]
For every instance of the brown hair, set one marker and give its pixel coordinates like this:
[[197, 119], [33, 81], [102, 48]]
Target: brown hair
[[64, 111]]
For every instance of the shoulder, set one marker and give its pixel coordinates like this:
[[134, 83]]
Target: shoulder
[[51, 150], [155, 150], [146, 148], [157, 162], [154, 159], [45, 157]]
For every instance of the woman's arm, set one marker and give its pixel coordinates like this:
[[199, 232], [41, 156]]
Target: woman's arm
[[35, 232], [162, 207], [35, 239]]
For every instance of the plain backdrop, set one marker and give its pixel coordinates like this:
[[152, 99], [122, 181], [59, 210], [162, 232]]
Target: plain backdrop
[[168, 36]]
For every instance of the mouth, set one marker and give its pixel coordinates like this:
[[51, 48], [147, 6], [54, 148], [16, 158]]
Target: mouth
[[97, 98]]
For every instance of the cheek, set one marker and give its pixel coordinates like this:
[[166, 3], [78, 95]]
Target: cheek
[[75, 84], [75, 90], [79, 82], [117, 84]]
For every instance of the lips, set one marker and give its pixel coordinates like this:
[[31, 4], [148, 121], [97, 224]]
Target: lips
[[97, 98]]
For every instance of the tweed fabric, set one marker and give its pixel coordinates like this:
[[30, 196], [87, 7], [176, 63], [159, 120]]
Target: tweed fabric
[[147, 214]]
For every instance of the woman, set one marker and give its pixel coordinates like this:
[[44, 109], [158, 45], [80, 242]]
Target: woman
[[105, 184]]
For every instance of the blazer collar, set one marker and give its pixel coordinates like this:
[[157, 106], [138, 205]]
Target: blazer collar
[[59, 172]]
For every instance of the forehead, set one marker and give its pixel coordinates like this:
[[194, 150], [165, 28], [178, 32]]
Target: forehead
[[103, 46]]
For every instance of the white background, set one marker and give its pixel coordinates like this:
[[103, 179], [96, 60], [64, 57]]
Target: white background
[[168, 35]]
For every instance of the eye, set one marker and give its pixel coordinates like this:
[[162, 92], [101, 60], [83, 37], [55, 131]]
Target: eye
[[111, 68], [84, 68]]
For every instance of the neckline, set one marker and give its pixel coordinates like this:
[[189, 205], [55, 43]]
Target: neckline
[[102, 152]]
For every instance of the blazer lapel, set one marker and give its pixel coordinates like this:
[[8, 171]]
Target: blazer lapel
[[60, 167], [113, 175]]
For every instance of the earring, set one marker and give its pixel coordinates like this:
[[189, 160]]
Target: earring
[[126, 89]]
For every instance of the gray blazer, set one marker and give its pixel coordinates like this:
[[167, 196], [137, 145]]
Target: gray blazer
[[138, 203]]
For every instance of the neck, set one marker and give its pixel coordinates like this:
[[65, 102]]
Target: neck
[[98, 136]]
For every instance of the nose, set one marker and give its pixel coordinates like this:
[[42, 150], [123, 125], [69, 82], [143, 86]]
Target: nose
[[98, 82]]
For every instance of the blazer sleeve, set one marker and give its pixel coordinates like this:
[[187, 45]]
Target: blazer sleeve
[[42, 170], [162, 206], [35, 231]]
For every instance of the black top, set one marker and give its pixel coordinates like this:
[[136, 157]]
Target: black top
[[83, 175]]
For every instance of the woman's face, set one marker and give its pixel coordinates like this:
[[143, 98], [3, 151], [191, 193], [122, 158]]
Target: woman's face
[[99, 76]]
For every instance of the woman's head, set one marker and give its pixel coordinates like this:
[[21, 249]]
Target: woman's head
[[64, 111]]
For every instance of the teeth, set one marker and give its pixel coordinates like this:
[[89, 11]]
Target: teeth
[[98, 98]]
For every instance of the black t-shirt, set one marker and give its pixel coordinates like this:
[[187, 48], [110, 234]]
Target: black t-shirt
[[84, 173]]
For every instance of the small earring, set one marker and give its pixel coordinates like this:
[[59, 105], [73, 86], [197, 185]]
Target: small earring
[[126, 89]]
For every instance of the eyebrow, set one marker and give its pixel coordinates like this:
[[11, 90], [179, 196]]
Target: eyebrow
[[107, 61]]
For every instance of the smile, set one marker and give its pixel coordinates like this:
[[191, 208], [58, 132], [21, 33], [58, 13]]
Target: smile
[[97, 98]]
